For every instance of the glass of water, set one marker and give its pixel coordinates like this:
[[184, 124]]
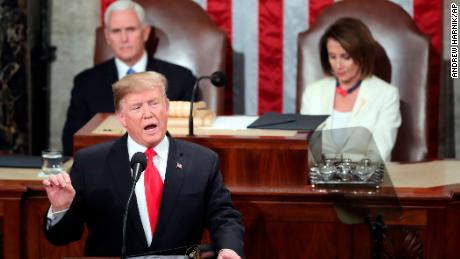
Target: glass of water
[[52, 161]]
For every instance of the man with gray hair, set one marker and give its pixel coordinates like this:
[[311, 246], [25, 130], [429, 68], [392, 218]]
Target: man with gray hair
[[126, 32]]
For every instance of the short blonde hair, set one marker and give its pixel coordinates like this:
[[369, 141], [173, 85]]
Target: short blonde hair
[[137, 82]]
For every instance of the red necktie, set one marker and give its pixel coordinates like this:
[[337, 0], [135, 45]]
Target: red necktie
[[153, 189]]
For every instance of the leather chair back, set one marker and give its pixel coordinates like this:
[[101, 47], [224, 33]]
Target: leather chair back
[[182, 34], [402, 60]]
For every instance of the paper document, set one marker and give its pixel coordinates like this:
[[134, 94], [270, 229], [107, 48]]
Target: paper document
[[233, 122]]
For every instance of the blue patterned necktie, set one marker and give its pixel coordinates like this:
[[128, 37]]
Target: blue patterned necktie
[[130, 71]]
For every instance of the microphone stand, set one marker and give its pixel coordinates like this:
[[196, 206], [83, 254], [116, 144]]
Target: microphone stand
[[217, 79], [192, 100], [376, 229], [137, 175]]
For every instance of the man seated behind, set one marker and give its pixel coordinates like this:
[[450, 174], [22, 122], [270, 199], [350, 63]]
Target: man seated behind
[[180, 193], [126, 32]]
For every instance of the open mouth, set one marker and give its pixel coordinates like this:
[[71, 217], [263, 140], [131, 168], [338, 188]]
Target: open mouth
[[150, 127]]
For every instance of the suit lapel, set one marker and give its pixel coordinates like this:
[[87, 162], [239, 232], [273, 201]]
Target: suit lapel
[[174, 178], [111, 75], [121, 173], [150, 65], [361, 101], [327, 101], [358, 108]]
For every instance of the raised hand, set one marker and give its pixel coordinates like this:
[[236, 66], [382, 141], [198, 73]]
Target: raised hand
[[227, 254], [59, 190]]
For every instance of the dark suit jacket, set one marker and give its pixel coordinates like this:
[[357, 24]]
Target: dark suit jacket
[[194, 198], [92, 93]]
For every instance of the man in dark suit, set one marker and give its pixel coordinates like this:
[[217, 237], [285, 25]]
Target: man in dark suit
[[126, 32], [191, 194]]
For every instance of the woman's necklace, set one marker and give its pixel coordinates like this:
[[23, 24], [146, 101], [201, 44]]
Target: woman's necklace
[[344, 92]]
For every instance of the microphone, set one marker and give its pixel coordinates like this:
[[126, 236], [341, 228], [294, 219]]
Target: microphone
[[217, 79], [137, 163]]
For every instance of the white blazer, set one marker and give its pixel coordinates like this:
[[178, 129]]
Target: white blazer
[[375, 114]]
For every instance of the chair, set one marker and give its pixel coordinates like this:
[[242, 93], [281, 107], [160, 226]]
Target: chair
[[183, 34], [402, 60]]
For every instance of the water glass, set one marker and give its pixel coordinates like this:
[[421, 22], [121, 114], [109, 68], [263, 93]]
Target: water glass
[[52, 161]]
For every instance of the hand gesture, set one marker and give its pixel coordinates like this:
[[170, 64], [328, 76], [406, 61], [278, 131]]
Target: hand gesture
[[59, 190], [227, 254]]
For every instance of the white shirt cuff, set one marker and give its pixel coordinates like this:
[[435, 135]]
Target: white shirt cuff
[[54, 217]]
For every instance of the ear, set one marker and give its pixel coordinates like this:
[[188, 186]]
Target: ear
[[167, 104], [146, 32], [107, 36], [121, 118]]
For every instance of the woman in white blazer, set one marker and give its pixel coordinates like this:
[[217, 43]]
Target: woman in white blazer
[[364, 110]]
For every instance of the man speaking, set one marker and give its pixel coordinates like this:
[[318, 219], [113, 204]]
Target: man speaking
[[180, 193]]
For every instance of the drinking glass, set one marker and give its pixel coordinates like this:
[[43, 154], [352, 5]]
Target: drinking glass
[[52, 161]]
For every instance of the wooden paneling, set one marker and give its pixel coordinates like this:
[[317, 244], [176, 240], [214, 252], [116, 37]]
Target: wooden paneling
[[36, 246], [280, 222], [10, 212]]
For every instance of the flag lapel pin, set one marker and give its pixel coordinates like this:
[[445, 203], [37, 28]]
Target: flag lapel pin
[[178, 165]]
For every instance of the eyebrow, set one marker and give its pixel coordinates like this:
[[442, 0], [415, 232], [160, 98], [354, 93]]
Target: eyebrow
[[124, 28], [135, 104]]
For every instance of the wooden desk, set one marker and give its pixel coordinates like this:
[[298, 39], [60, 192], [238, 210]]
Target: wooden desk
[[281, 222], [300, 223]]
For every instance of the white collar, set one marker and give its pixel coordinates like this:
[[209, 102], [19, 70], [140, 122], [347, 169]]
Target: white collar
[[161, 149], [122, 68]]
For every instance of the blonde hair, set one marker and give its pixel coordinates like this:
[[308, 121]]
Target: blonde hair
[[136, 83]]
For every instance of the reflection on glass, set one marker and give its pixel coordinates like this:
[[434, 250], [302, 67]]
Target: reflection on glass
[[359, 145], [364, 170], [327, 170]]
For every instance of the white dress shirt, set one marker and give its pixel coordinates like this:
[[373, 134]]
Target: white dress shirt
[[122, 68], [160, 160]]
